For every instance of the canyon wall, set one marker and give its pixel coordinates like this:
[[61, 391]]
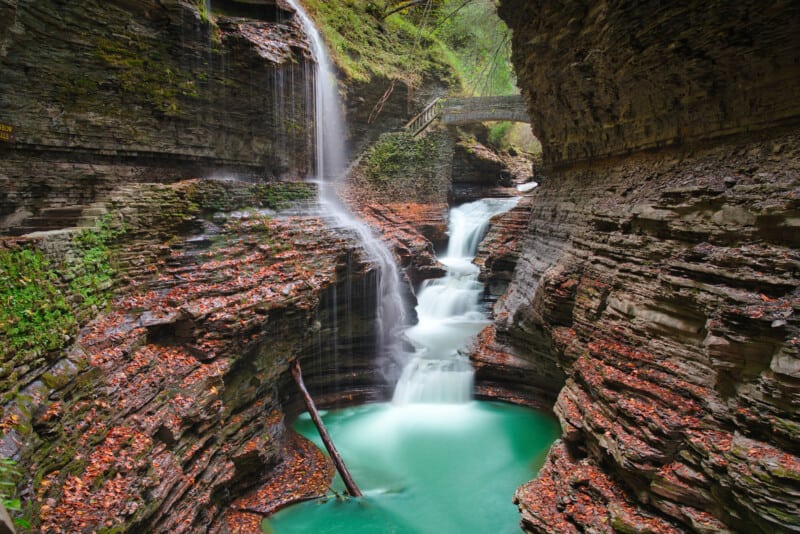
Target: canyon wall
[[618, 77], [101, 93], [168, 406], [657, 289]]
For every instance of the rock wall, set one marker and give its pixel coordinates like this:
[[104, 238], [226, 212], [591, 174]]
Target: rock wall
[[616, 77], [101, 93], [171, 403], [659, 272]]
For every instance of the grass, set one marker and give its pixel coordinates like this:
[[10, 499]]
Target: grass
[[42, 304], [364, 47], [398, 154]]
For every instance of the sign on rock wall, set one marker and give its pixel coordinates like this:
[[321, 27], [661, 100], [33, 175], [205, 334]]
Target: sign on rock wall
[[6, 133]]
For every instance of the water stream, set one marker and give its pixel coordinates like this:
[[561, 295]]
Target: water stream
[[433, 460], [449, 313], [330, 166]]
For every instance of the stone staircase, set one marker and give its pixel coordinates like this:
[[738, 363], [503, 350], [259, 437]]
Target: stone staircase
[[60, 218]]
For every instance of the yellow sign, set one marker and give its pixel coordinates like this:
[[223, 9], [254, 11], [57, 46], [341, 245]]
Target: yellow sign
[[6, 132]]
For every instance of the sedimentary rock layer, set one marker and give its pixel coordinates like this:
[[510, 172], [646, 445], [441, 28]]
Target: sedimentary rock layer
[[659, 272], [671, 304], [614, 77], [172, 402], [154, 90]]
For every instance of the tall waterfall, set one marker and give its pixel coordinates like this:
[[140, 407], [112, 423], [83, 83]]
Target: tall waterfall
[[450, 314], [330, 161]]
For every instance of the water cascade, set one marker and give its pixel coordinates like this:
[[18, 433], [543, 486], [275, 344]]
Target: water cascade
[[430, 462], [450, 313], [330, 164]]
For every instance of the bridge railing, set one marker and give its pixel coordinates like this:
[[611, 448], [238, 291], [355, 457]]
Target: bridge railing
[[484, 108], [467, 110], [421, 120]]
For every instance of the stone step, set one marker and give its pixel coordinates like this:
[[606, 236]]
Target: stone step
[[52, 218], [62, 211], [60, 217], [22, 230]]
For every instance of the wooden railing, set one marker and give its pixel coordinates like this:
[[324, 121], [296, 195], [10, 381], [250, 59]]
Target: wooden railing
[[421, 120]]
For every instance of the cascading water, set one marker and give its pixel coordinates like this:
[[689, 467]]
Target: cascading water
[[330, 161], [424, 468], [450, 313]]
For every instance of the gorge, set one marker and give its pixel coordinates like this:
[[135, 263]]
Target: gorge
[[163, 259]]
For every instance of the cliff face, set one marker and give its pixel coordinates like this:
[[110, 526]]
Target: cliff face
[[101, 93], [618, 77], [662, 283], [171, 402]]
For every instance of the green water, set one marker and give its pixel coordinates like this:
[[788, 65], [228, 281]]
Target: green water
[[426, 468]]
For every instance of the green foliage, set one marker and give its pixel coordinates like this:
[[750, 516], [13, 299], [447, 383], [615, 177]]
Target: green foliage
[[39, 308], [398, 154], [363, 45], [35, 317], [464, 40], [204, 10], [518, 135], [10, 477], [92, 274], [482, 43], [498, 132]]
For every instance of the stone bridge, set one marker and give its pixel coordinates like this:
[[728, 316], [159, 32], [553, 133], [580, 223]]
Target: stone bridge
[[455, 111]]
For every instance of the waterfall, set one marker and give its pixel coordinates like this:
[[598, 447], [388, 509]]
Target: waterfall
[[330, 166], [450, 313]]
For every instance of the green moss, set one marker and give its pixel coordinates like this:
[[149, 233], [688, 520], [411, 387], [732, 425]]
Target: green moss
[[364, 46], [282, 195], [142, 70], [397, 154], [211, 196], [54, 381], [35, 317]]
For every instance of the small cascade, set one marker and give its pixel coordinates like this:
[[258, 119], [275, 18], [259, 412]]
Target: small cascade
[[450, 313], [330, 161]]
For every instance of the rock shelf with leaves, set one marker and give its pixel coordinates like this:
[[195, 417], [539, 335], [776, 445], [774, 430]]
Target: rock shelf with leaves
[[659, 271], [173, 396]]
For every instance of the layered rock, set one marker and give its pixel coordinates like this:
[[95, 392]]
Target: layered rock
[[662, 282], [400, 187], [172, 403], [104, 93], [672, 309], [617, 77]]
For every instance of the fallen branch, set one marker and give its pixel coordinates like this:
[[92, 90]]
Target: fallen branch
[[406, 5], [349, 483]]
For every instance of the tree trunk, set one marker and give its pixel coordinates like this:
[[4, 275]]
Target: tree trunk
[[349, 483]]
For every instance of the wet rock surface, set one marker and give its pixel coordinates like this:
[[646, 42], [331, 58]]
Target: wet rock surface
[[173, 401], [105, 93], [617, 77], [659, 270], [665, 289]]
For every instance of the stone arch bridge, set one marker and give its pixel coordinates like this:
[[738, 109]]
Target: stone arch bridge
[[455, 111]]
